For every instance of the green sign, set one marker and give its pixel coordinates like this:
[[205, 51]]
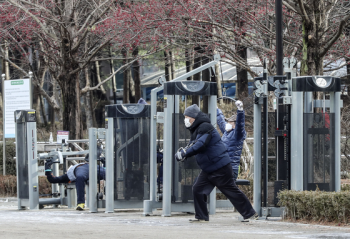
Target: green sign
[[17, 82]]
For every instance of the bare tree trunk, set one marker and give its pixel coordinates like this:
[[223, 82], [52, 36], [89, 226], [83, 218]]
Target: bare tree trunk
[[189, 61], [196, 77], [218, 82], [172, 64], [7, 66], [42, 108], [242, 76], [348, 71], [97, 64], [168, 75], [131, 86], [137, 80], [205, 77], [114, 83], [88, 110], [126, 79], [77, 117]]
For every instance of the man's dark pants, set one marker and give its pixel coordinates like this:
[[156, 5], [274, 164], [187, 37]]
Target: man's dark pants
[[222, 179], [82, 175]]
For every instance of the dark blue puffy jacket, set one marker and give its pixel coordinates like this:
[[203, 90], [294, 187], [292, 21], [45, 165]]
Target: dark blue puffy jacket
[[208, 148], [233, 139]]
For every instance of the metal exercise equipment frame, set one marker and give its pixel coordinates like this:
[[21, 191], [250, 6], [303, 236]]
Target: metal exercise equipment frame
[[26, 159], [172, 91], [300, 136], [96, 136], [127, 156], [27, 166]]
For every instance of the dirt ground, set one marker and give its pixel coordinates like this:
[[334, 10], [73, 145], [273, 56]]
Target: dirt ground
[[68, 223]]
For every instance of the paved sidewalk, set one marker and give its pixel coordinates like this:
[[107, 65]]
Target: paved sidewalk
[[67, 223]]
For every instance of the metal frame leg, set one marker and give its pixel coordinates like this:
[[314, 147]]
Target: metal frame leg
[[109, 165], [92, 170], [212, 111], [297, 124], [167, 155], [257, 159]]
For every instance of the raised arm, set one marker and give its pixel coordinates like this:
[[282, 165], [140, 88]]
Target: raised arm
[[221, 120], [240, 133]]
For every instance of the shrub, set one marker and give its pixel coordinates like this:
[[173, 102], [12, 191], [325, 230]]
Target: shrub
[[10, 154], [316, 205], [8, 186]]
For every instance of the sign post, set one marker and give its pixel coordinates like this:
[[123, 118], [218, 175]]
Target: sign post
[[17, 95]]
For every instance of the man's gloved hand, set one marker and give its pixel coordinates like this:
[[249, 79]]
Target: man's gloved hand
[[48, 164], [180, 155], [103, 160], [228, 127], [239, 105]]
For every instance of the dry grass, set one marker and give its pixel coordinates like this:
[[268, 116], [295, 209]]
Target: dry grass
[[8, 186]]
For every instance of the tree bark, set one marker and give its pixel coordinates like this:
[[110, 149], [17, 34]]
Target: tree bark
[[114, 83], [205, 77], [137, 80], [242, 76], [168, 75], [126, 79], [98, 75], [172, 64], [131, 85], [88, 110], [218, 82], [71, 105], [189, 67], [7, 66], [196, 77]]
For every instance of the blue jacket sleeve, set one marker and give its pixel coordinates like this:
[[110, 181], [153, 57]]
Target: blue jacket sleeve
[[61, 179], [220, 120], [200, 145], [240, 132]]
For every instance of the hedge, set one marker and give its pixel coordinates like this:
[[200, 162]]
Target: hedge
[[317, 205]]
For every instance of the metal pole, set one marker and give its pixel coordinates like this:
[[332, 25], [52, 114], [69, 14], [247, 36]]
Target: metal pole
[[212, 112], [297, 123], [32, 166], [93, 170], [167, 155], [109, 165], [153, 145], [279, 37], [337, 140], [3, 76], [265, 150], [257, 158]]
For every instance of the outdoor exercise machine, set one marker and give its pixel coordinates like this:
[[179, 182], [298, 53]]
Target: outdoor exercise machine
[[178, 178], [306, 129], [127, 155], [27, 165]]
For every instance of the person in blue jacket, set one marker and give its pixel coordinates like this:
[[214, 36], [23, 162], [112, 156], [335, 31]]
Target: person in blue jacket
[[212, 157], [79, 174], [233, 136]]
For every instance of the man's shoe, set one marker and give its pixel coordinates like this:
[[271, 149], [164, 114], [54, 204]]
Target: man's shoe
[[254, 217], [197, 220], [80, 207]]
